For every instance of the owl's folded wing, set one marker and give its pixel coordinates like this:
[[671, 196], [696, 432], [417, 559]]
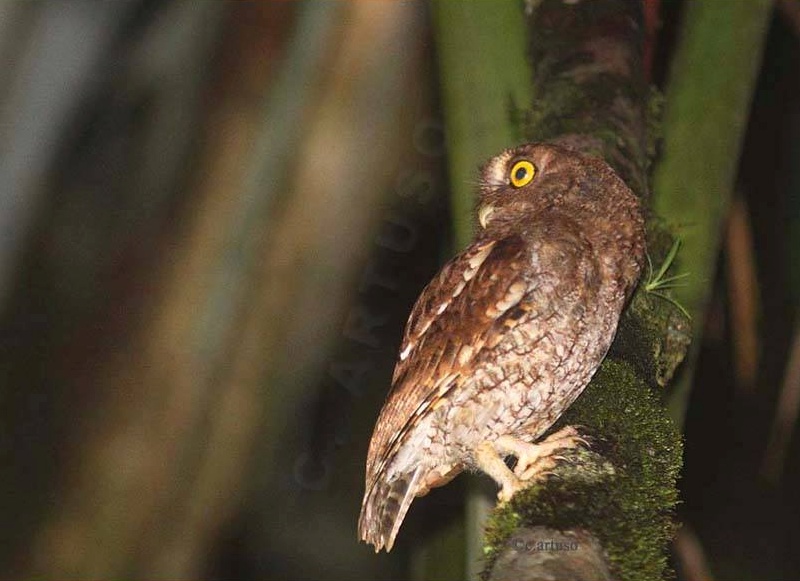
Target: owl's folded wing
[[463, 313]]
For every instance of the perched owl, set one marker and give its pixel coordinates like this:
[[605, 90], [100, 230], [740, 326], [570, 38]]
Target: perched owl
[[509, 332]]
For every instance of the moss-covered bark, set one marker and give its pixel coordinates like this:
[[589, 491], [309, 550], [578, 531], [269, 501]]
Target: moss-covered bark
[[588, 93], [588, 87]]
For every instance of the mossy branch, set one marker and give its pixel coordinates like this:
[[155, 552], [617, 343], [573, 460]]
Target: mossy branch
[[587, 93], [619, 492]]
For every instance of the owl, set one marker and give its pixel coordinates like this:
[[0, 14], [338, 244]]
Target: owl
[[508, 333]]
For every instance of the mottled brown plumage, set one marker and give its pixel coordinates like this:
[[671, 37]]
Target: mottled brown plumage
[[509, 332]]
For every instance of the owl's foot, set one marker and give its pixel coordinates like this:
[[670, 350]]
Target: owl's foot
[[535, 461], [490, 460]]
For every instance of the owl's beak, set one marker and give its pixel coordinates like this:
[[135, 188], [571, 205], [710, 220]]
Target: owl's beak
[[483, 215]]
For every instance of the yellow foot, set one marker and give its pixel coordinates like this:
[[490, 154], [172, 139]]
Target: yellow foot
[[491, 462], [510, 488], [535, 461]]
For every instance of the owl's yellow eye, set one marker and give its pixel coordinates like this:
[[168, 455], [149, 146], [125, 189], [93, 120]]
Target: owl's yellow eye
[[522, 173]]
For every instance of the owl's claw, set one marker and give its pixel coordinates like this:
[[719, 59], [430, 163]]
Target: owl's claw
[[491, 462], [508, 490], [537, 472], [543, 469], [535, 460]]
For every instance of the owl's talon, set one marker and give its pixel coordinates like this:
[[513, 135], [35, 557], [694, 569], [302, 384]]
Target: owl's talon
[[491, 461], [508, 490], [538, 471], [533, 459], [535, 462]]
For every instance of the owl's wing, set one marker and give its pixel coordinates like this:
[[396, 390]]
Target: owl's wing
[[465, 310]]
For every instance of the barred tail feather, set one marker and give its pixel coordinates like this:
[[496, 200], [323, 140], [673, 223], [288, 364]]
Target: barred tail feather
[[384, 508]]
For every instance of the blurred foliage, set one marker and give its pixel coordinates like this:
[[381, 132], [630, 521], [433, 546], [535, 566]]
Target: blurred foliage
[[718, 53]]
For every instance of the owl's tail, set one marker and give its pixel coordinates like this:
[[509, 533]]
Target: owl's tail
[[384, 508]]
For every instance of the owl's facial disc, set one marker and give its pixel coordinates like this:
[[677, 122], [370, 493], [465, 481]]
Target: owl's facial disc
[[484, 213]]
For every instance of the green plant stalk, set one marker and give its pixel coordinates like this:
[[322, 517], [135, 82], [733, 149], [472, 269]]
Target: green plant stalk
[[711, 84], [472, 38], [478, 95]]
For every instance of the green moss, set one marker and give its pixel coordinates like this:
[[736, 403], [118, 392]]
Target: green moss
[[623, 490], [565, 107], [653, 338], [654, 334]]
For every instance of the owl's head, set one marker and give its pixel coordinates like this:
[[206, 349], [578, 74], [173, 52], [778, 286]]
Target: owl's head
[[534, 179]]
